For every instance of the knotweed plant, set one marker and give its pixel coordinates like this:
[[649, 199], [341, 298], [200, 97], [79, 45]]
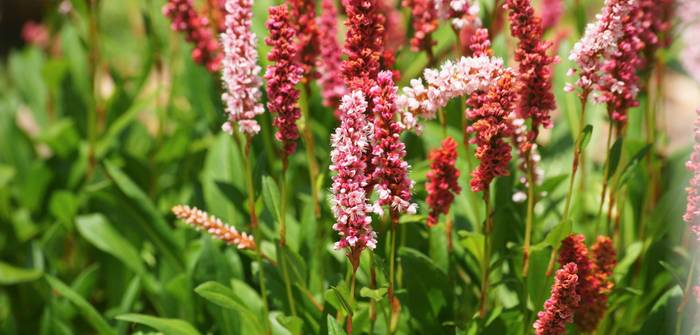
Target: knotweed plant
[[357, 167]]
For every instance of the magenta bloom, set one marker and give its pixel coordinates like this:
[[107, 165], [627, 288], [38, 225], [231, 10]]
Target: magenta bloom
[[394, 31], [240, 72], [481, 44], [303, 12], [197, 31], [35, 33], [593, 286], [363, 44], [390, 174], [535, 97], [350, 204], [692, 211], [552, 11], [600, 41], [329, 65], [559, 308], [424, 20], [491, 125], [689, 11], [282, 76], [442, 178]]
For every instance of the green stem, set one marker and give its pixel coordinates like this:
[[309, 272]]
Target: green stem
[[348, 323], [530, 212], [93, 63], [686, 293], [606, 174], [310, 149], [283, 238], [372, 302], [392, 269], [486, 264], [574, 168]]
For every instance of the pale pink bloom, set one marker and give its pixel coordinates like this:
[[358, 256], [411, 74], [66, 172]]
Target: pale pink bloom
[[599, 42], [240, 71], [350, 205], [201, 220], [451, 80], [692, 212]]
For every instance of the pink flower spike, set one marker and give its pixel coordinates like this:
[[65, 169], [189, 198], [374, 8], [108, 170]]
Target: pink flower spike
[[282, 76], [349, 202], [196, 28], [442, 185], [364, 44], [692, 211], [559, 308], [390, 175], [424, 19], [329, 65], [240, 72]]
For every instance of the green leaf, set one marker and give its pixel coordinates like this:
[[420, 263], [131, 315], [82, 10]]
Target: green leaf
[[96, 229], [91, 315], [225, 297], [629, 168], [336, 298], [376, 294], [159, 232], [474, 243], [558, 233], [271, 196], [10, 274], [167, 326], [614, 157], [585, 136], [63, 206], [427, 291], [219, 294], [333, 326]]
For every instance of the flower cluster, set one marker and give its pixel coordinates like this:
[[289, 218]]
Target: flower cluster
[[689, 12], [563, 301], [594, 284], [656, 18], [217, 14], [490, 115], [692, 212], [442, 178], [481, 44], [303, 13], [363, 44], [600, 41], [240, 72], [197, 31], [35, 33], [552, 11], [350, 204], [200, 220], [535, 97], [330, 79], [619, 83], [282, 76], [451, 80], [424, 19], [390, 174], [394, 32]]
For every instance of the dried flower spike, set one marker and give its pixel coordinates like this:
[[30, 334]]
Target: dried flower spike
[[282, 76], [240, 71], [564, 300], [442, 178], [200, 220]]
